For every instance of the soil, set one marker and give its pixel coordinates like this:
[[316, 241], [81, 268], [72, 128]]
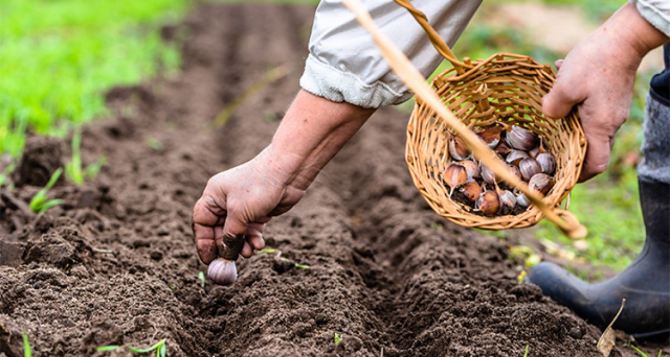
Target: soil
[[116, 263]]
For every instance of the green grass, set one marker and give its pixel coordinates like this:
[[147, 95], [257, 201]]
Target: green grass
[[58, 57], [159, 349], [201, 279], [27, 350], [337, 338], [75, 171]]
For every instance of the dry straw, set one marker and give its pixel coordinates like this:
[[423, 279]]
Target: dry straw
[[505, 88]]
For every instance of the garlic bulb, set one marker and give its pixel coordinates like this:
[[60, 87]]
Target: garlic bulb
[[521, 138], [547, 162], [222, 271], [529, 167]]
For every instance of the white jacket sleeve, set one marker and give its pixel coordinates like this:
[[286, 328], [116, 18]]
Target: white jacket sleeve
[[657, 12], [344, 65]]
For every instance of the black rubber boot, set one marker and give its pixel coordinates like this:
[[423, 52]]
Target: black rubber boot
[[645, 284]]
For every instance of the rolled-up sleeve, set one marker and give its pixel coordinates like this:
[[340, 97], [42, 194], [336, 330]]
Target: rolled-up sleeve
[[344, 65], [657, 12]]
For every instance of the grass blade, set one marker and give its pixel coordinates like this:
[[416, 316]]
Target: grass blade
[[27, 350], [107, 348]]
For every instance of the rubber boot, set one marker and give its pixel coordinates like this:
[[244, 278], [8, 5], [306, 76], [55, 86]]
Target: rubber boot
[[645, 284]]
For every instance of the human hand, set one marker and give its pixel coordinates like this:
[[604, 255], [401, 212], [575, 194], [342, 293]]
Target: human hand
[[237, 203], [598, 76]]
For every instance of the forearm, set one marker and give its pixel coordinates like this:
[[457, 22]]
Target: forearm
[[629, 28], [313, 130], [656, 12]]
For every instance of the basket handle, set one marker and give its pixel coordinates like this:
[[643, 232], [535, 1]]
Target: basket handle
[[568, 223], [434, 37]]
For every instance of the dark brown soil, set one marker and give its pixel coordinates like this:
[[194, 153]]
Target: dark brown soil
[[116, 265]]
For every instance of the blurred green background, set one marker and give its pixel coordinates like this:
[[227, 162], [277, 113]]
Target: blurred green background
[[58, 57]]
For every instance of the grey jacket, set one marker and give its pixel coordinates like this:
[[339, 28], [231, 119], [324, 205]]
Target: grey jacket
[[345, 66]]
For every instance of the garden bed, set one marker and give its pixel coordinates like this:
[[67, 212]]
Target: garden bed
[[382, 275]]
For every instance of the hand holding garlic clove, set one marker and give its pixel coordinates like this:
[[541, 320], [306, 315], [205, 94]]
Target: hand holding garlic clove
[[223, 270]]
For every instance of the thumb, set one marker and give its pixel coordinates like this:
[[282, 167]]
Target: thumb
[[562, 97], [230, 245]]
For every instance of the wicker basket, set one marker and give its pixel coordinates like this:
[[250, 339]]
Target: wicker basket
[[505, 88]]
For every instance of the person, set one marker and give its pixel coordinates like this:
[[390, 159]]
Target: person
[[345, 80]]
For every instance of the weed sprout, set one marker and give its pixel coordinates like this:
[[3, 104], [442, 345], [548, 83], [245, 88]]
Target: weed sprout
[[40, 202]]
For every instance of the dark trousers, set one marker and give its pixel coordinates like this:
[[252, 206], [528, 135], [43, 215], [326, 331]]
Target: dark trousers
[[660, 84], [655, 163]]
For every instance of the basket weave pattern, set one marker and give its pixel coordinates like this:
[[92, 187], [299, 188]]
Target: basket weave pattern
[[505, 88]]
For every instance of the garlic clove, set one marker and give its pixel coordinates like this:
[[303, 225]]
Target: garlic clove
[[529, 167], [455, 175], [491, 136], [521, 138], [503, 150], [547, 163], [534, 152], [515, 171], [471, 168], [488, 203], [541, 183], [471, 191], [487, 175], [457, 149], [222, 271], [522, 200], [515, 156], [507, 202]]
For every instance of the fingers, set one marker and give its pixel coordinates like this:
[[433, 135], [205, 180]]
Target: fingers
[[247, 251], [255, 236], [559, 63], [205, 243], [564, 94], [206, 216], [559, 101], [600, 122], [254, 239], [231, 244], [597, 156]]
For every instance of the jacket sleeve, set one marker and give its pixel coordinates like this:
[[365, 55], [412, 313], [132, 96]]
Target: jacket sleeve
[[344, 65], [657, 12]]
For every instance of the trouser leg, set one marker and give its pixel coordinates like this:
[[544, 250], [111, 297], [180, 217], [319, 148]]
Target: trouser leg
[[655, 165]]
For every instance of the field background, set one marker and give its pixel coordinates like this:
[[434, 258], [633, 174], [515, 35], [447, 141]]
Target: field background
[[59, 57]]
